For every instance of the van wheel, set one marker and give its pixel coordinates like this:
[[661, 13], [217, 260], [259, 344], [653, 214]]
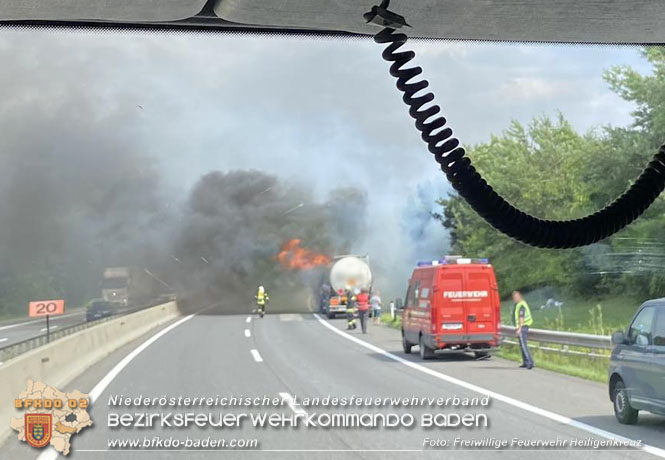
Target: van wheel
[[406, 346], [482, 355], [425, 351], [623, 411]]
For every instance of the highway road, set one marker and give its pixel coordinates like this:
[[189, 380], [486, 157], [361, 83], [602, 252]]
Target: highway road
[[12, 332], [301, 355], [17, 331]]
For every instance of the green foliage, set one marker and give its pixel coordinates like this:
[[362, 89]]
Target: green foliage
[[586, 367], [41, 280], [387, 320], [537, 168], [549, 170], [578, 315], [646, 91]]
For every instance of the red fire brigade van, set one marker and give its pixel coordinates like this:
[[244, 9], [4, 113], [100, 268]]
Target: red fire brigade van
[[452, 305]]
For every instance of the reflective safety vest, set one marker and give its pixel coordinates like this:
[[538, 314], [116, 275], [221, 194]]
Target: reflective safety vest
[[528, 320], [261, 298], [351, 304], [363, 301]]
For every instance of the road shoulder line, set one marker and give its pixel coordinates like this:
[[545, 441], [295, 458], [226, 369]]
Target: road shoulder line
[[497, 396], [95, 393]]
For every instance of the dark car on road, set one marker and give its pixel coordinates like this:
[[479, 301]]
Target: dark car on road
[[637, 365], [98, 309]]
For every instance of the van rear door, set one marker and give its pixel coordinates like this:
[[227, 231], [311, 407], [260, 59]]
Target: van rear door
[[451, 317], [480, 301], [425, 304]]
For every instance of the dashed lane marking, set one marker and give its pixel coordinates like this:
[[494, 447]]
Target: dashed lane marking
[[256, 355]]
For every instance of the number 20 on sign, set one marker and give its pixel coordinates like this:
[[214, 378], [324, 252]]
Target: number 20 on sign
[[46, 308]]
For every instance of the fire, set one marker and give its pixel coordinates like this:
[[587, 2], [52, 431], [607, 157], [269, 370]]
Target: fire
[[294, 257]]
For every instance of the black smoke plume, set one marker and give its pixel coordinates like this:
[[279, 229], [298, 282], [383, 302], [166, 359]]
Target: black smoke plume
[[234, 225]]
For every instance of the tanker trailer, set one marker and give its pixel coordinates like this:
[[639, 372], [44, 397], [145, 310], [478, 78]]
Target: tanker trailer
[[347, 273]]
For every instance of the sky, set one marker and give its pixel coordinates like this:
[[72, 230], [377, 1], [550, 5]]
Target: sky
[[320, 112]]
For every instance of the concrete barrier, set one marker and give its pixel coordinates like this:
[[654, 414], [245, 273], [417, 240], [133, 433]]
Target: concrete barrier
[[61, 361]]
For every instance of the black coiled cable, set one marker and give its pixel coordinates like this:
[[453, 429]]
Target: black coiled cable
[[482, 197]]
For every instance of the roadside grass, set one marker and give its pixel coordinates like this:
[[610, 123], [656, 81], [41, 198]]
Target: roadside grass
[[386, 320], [585, 367], [592, 316]]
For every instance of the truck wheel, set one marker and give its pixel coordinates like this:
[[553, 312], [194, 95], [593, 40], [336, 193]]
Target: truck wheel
[[406, 346], [482, 355], [623, 411], [425, 351], [330, 315]]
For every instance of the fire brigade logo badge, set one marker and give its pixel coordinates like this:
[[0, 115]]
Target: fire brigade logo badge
[[38, 429], [51, 416]]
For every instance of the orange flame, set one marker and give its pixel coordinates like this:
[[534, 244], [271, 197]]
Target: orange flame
[[294, 257]]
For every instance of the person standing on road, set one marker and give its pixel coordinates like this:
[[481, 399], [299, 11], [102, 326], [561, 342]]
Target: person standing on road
[[375, 303], [523, 320], [350, 310], [261, 300], [363, 309]]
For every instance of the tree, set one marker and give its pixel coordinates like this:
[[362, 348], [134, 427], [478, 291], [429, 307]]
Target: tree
[[537, 168], [550, 171]]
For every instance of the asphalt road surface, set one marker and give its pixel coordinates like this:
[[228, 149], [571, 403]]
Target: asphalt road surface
[[12, 332], [296, 355]]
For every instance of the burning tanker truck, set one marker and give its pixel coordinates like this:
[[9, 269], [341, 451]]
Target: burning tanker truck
[[348, 273]]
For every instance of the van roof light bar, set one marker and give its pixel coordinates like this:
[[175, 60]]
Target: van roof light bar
[[452, 260]]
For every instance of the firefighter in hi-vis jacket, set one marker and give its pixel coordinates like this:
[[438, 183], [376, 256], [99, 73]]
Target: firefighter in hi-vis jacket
[[261, 300], [350, 309]]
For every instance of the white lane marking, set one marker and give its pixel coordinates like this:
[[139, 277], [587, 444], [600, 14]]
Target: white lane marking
[[498, 396], [248, 333], [52, 318], [292, 404], [51, 453], [256, 355], [24, 323], [50, 327], [4, 339], [249, 319], [113, 373]]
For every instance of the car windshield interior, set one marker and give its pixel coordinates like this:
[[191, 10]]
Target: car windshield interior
[[196, 189]]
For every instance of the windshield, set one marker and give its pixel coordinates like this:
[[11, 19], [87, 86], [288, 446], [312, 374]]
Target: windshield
[[228, 176], [114, 283]]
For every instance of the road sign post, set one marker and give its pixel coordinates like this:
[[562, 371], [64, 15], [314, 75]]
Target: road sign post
[[46, 308]]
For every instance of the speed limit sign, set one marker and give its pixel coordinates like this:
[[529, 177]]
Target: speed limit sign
[[46, 307]]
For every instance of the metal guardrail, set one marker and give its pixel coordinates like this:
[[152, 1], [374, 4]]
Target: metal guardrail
[[13, 350], [572, 339], [589, 345], [601, 343]]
